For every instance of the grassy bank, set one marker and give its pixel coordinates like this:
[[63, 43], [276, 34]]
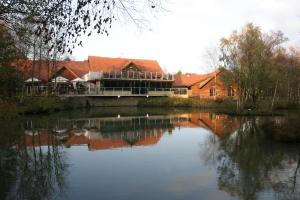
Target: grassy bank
[[41, 105], [227, 106], [38, 105], [12, 108], [189, 103]]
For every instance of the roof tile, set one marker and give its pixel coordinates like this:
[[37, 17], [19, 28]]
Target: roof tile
[[191, 79], [116, 64]]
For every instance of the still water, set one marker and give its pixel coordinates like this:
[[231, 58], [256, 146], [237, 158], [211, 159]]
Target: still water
[[150, 154]]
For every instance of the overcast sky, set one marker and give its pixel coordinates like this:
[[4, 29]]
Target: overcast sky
[[178, 39]]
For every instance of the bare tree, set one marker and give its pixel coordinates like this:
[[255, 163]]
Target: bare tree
[[63, 22]]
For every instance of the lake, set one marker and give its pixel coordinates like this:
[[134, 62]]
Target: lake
[[150, 154]]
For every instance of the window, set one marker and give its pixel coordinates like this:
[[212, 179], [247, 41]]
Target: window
[[212, 92], [230, 91], [212, 116]]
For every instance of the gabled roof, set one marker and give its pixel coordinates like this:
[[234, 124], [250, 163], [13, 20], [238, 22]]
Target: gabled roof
[[211, 76], [78, 68], [73, 69], [188, 80], [117, 64]]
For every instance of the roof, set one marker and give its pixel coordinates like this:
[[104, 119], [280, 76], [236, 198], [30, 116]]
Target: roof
[[105, 64], [42, 69], [79, 68], [191, 79]]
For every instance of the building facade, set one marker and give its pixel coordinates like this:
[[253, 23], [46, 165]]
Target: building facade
[[97, 76], [205, 86], [103, 76], [127, 77]]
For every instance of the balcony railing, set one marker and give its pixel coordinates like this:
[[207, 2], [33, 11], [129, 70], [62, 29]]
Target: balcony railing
[[131, 75], [92, 90], [132, 91]]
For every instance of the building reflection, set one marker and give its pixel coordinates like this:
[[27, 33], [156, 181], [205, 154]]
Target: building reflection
[[123, 132], [259, 158], [219, 124]]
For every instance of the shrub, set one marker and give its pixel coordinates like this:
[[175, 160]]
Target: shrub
[[8, 110]]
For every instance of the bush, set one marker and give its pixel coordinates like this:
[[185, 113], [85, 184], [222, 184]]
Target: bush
[[8, 110], [35, 105], [285, 105]]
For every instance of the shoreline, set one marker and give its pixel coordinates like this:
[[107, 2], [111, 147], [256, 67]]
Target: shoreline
[[48, 105]]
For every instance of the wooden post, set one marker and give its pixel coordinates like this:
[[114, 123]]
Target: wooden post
[[98, 86]]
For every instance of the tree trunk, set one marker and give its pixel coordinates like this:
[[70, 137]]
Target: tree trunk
[[33, 66], [40, 59], [274, 96]]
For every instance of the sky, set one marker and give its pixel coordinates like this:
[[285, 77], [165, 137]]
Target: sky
[[179, 37]]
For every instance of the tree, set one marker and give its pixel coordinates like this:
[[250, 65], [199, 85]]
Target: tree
[[288, 67], [179, 73], [213, 58], [9, 51], [63, 22], [249, 56]]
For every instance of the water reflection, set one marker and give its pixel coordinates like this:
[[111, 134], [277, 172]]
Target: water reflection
[[122, 132], [250, 164], [241, 157], [30, 171]]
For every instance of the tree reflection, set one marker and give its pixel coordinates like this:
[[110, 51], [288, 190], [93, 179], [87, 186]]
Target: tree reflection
[[31, 172], [249, 162], [8, 159]]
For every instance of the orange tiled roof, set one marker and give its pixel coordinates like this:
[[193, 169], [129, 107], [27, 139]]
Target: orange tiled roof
[[192, 79], [40, 68], [116, 64], [79, 68]]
